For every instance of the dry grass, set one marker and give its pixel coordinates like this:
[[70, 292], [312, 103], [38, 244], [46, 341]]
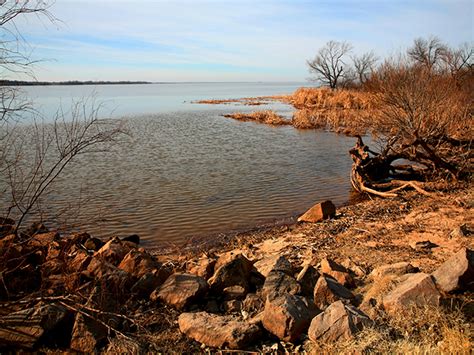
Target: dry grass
[[429, 330], [341, 111], [267, 117]]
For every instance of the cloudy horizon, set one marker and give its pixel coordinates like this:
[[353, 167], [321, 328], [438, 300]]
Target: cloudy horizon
[[163, 41]]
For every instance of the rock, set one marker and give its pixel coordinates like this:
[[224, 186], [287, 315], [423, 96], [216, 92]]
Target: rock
[[6, 229], [43, 240], [337, 271], [52, 267], [286, 317], [134, 238], [111, 278], [461, 232], [87, 334], [138, 264], [113, 251], [148, 283], [328, 291], [218, 331], [203, 267], [278, 283], [416, 290], [180, 290], [394, 269], [234, 293], [337, 322], [35, 228], [252, 304], [354, 267], [23, 329], [273, 262], [307, 278], [423, 245], [233, 306], [235, 271], [93, 244], [80, 261], [457, 273], [319, 212]]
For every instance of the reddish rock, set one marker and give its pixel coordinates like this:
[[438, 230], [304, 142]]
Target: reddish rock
[[203, 267], [43, 240], [218, 331], [93, 244], [181, 290], [138, 264], [148, 283], [87, 334], [111, 278], [417, 290], [457, 273], [286, 317], [113, 251], [337, 271], [79, 261], [234, 293], [337, 322], [328, 291], [235, 271], [232, 306], [319, 212], [252, 304], [273, 262], [401, 268]]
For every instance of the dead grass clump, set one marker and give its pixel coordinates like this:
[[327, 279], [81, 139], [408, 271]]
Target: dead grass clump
[[324, 98], [425, 330], [267, 117]]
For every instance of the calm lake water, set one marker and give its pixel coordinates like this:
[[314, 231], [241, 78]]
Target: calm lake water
[[186, 171]]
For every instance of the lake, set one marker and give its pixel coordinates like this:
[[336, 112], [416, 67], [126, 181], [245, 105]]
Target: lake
[[185, 171]]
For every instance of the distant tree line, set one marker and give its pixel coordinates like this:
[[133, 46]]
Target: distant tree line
[[72, 82]]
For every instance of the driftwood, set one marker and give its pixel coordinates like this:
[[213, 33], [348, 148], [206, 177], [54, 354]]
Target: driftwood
[[373, 173]]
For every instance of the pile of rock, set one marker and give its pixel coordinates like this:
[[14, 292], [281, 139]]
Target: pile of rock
[[70, 292]]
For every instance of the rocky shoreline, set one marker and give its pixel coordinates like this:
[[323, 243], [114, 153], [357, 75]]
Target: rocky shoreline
[[381, 275]]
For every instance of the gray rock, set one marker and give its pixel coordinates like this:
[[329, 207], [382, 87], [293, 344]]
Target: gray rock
[[278, 284], [337, 322]]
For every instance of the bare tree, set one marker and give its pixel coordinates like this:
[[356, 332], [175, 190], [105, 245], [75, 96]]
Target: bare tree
[[427, 52], [459, 61], [364, 65], [33, 154], [329, 65]]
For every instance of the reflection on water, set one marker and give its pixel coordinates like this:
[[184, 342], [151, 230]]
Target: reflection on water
[[194, 173]]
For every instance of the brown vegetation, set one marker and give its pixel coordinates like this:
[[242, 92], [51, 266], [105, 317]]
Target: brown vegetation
[[267, 117]]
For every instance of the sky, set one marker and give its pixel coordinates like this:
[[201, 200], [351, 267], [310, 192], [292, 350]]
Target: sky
[[195, 40]]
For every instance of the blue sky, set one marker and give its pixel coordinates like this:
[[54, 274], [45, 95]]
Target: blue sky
[[226, 40]]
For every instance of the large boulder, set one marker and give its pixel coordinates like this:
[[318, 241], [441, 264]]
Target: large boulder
[[319, 212], [23, 329], [236, 270], [218, 331], [457, 273], [138, 264], [400, 268], [278, 284], [287, 317], [181, 290], [416, 290], [337, 322], [149, 282], [275, 263], [337, 271], [328, 291]]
